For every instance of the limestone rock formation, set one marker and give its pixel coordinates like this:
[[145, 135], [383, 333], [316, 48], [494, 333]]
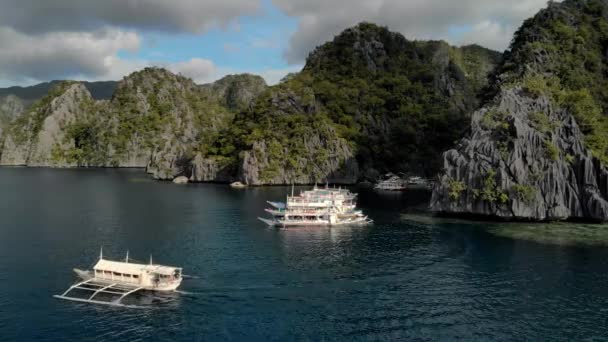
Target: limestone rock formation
[[154, 120], [236, 92], [365, 103], [537, 150], [514, 168], [10, 107], [331, 160], [211, 170], [388, 103], [30, 139]]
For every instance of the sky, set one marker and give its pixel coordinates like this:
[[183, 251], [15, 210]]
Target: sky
[[208, 39]]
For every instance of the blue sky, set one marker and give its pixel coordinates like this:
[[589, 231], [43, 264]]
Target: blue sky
[[207, 39], [252, 43]]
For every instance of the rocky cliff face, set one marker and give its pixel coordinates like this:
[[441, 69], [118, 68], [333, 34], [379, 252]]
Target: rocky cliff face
[[30, 138], [339, 167], [10, 107], [368, 102], [179, 121], [537, 150], [295, 145], [236, 92], [525, 159], [62, 111], [155, 120]]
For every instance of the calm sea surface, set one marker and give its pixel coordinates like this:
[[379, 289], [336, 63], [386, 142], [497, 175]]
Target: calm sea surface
[[394, 280]]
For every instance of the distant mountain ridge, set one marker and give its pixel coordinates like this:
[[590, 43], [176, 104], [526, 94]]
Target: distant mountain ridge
[[101, 90]]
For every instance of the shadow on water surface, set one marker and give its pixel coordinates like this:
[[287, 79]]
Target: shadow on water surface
[[557, 233]]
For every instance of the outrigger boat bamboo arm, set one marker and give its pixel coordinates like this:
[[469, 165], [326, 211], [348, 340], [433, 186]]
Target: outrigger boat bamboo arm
[[116, 289], [101, 290]]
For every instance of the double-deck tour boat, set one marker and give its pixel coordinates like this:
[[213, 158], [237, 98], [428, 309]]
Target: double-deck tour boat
[[391, 183], [317, 207], [120, 279]]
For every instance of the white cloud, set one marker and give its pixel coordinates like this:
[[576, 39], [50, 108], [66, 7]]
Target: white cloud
[[320, 20], [60, 54], [490, 34], [273, 76], [270, 75], [194, 16], [198, 69], [82, 39]]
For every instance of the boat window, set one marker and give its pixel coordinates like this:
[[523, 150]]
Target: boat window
[[135, 276], [117, 274]]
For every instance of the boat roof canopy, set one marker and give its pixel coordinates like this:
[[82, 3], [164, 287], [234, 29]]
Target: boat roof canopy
[[130, 268]]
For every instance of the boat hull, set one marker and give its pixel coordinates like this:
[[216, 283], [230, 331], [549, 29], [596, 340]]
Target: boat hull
[[293, 223]]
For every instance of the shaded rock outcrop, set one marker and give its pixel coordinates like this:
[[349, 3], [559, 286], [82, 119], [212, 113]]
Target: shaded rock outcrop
[[10, 107], [31, 138], [62, 111], [335, 164], [211, 170], [511, 167]]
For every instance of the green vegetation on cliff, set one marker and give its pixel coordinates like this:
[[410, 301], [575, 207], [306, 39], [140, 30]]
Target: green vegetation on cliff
[[397, 103], [25, 127], [561, 52], [151, 110]]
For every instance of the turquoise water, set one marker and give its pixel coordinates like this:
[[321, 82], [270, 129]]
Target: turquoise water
[[399, 279]]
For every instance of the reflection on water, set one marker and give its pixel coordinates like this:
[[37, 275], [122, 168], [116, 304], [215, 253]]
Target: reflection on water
[[294, 236], [557, 233]]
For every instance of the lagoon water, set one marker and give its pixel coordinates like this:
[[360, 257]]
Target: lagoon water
[[394, 280]]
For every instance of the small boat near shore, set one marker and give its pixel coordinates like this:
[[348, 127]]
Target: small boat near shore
[[391, 183], [238, 185], [119, 279]]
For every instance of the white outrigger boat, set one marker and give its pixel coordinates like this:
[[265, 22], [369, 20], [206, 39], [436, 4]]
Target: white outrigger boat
[[317, 207], [120, 279]]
